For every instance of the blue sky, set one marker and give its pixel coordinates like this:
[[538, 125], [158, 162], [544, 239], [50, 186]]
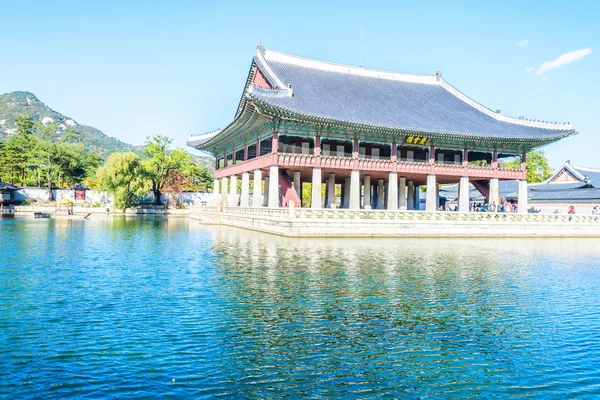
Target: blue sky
[[141, 68]]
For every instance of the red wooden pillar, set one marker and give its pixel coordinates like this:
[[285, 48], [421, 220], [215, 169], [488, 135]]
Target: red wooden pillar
[[355, 148], [524, 162], [317, 145], [245, 151], [495, 160], [257, 148], [225, 160], [275, 142], [233, 156], [465, 157], [431, 155], [394, 151]]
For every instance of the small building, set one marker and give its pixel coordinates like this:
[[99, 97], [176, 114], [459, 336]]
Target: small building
[[570, 185], [302, 123], [7, 192]]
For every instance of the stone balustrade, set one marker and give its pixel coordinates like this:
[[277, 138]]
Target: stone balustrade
[[437, 216]]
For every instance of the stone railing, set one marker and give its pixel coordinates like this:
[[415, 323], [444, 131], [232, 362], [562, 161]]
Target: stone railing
[[438, 216]]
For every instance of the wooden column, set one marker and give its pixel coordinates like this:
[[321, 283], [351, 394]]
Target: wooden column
[[394, 151], [524, 162], [355, 148], [257, 148], [317, 145], [431, 155], [465, 157], [495, 160], [274, 142]]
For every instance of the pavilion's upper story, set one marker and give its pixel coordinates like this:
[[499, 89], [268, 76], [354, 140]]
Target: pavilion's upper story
[[303, 97]]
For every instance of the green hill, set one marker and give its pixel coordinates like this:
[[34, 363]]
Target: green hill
[[15, 104]]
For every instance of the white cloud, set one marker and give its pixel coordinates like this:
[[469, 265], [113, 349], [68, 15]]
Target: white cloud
[[545, 78], [523, 43], [564, 59], [529, 69]]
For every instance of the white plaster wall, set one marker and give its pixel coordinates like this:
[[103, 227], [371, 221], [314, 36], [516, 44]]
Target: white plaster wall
[[93, 196]]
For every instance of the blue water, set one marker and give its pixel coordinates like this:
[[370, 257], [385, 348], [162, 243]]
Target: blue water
[[156, 307]]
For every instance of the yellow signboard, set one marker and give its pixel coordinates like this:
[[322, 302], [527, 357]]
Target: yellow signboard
[[420, 140]]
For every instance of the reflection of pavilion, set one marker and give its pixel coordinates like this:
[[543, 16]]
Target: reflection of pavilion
[[377, 134]]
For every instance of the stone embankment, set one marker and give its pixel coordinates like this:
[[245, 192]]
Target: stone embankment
[[380, 223]]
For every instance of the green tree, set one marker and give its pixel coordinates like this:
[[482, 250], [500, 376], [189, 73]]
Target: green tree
[[18, 152], [123, 176], [161, 162], [538, 168]]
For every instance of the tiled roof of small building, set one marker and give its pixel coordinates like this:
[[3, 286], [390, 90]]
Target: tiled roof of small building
[[7, 186], [385, 99]]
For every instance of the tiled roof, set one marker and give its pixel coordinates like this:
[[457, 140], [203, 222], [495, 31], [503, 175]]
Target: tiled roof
[[7, 186], [386, 99]]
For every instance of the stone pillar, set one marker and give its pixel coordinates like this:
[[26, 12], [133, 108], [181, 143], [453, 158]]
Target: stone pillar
[[266, 192], [402, 194], [367, 191], [392, 192], [494, 192], [315, 196], [274, 186], [463, 194], [380, 198], [245, 195], [233, 197], [522, 200], [354, 203], [224, 193], [417, 196], [257, 193], [431, 193], [330, 190], [410, 195], [216, 193], [346, 193], [298, 185]]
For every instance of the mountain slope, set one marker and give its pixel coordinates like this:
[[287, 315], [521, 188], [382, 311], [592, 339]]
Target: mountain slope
[[15, 104]]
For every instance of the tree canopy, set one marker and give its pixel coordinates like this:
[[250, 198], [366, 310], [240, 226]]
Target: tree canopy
[[538, 167]]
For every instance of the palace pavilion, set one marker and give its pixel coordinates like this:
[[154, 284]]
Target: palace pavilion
[[378, 134]]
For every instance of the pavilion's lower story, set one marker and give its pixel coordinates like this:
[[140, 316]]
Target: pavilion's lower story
[[351, 178]]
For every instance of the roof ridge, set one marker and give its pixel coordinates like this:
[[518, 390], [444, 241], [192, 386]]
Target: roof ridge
[[585, 168], [277, 56]]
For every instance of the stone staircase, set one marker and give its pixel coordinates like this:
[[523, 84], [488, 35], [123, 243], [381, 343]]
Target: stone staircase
[[287, 192], [482, 187]]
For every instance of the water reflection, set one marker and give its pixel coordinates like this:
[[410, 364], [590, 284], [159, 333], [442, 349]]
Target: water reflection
[[118, 307]]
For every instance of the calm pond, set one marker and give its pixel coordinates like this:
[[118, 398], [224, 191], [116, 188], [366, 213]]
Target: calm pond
[[131, 307]]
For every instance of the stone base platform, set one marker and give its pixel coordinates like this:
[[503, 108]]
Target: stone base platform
[[379, 223]]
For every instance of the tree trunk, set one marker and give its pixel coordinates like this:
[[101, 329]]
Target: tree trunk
[[157, 194], [50, 196]]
